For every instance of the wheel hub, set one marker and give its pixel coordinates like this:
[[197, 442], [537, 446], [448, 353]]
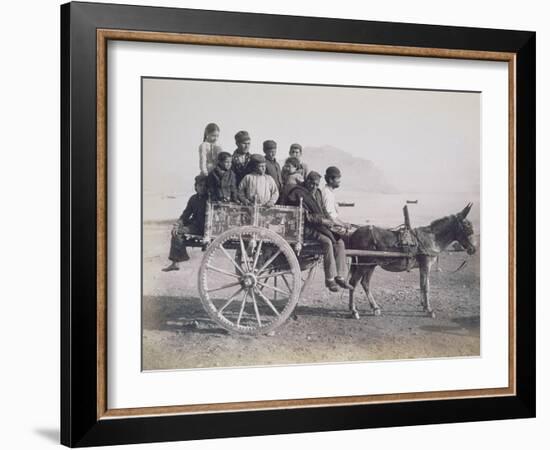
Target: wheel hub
[[248, 281]]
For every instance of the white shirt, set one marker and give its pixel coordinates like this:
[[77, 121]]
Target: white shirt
[[329, 200]]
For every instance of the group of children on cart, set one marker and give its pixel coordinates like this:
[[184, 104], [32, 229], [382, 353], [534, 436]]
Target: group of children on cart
[[256, 179]]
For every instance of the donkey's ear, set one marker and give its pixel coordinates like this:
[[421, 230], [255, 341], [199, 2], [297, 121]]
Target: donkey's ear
[[466, 210]]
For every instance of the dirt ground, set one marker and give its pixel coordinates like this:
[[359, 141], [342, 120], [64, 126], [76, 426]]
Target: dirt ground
[[178, 334]]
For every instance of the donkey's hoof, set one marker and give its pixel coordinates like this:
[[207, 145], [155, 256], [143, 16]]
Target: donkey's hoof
[[294, 316], [377, 311], [355, 315]]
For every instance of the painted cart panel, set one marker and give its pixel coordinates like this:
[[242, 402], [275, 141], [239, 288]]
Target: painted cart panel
[[286, 221]]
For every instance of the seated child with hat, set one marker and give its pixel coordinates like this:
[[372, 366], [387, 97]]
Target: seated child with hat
[[257, 187], [221, 182], [191, 222]]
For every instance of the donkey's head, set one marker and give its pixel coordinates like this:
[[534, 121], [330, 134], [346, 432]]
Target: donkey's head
[[464, 232]]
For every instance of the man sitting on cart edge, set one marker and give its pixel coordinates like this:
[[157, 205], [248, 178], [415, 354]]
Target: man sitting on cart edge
[[332, 180], [318, 227], [258, 188], [191, 222]]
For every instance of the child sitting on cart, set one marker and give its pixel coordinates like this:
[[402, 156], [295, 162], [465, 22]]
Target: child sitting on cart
[[257, 187], [222, 183], [292, 172], [291, 177], [191, 222], [296, 152]]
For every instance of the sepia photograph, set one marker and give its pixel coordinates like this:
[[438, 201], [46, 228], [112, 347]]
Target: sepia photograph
[[289, 224]]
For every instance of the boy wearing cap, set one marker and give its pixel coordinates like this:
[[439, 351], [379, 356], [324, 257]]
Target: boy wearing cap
[[257, 187], [221, 182], [272, 167], [191, 221], [241, 156]]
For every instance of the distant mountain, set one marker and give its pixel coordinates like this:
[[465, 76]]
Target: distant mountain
[[358, 173]]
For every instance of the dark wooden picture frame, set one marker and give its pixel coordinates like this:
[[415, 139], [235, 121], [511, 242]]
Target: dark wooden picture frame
[[85, 30]]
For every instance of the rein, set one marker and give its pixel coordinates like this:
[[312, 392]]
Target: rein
[[460, 267]]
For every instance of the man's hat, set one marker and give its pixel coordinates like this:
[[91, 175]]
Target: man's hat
[[200, 178], [332, 172], [242, 136], [296, 146], [256, 158], [313, 176], [269, 144]]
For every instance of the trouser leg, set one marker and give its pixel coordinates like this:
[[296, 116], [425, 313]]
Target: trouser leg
[[178, 251], [328, 257], [340, 257]]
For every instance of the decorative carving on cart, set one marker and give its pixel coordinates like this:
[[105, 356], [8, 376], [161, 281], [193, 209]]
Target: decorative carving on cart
[[286, 221]]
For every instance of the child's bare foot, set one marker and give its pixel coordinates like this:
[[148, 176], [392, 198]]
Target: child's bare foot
[[173, 266]]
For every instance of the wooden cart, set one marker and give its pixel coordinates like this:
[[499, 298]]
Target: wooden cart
[[256, 265]]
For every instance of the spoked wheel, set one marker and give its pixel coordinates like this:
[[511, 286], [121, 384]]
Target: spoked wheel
[[249, 280]]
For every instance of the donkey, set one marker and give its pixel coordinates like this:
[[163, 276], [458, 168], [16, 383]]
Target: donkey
[[432, 239]]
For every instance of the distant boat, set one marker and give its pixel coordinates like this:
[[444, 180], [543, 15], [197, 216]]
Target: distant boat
[[412, 202], [346, 204], [170, 196]]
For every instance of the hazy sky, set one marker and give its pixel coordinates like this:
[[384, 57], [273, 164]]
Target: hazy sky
[[422, 140]]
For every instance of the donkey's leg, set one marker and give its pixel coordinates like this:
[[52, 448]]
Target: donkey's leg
[[425, 264], [437, 268], [424, 287], [356, 275], [365, 282]]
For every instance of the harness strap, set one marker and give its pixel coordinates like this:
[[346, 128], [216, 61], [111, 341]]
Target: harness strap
[[422, 249]]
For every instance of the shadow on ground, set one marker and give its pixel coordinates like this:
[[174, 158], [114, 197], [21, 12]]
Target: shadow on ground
[[50, 434], [464, 326], [188, 315]]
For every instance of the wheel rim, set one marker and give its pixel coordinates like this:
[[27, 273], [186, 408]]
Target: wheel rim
[[249, 280]]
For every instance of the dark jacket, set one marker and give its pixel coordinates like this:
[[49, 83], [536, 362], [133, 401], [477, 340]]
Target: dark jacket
[[195, 212], [273, 169], [222, 185], [240, 169], [314, 209]]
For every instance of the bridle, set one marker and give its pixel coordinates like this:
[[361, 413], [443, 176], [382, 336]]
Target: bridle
[[463, 231]]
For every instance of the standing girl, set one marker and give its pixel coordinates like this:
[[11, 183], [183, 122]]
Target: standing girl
[[209, 150]]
